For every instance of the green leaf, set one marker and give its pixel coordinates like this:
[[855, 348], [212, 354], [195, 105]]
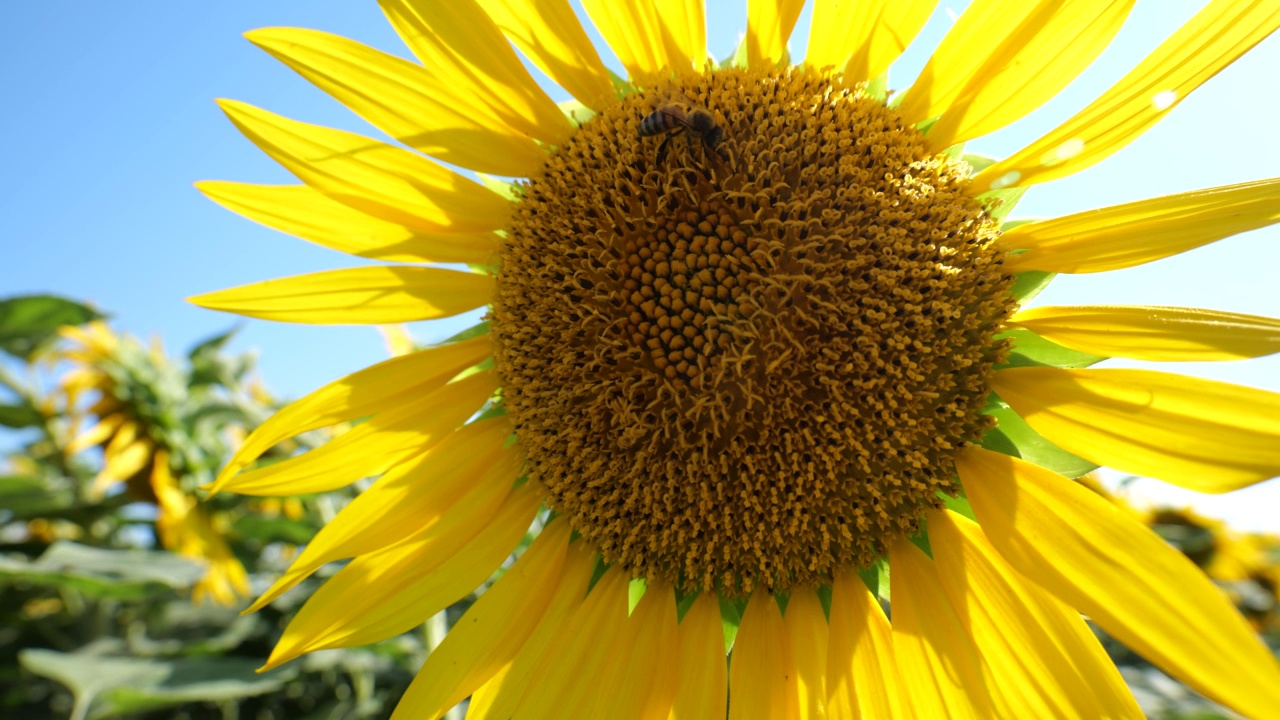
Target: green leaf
[[508, 190], [212, 345], [474, 331], [622, 87], [683, 603], [878, 88], [730, 618], [739, 57], [107, 686], [267, 530], [1033, 447], [578, 113], [492, 409], [996, 441], [597, 572], [876, 578], [958, 505], [19, 416], [485, 364], [1027, 285], [1008, 225], [23, 497], [921, 539], [635, 590], [978, 162], [1031, 350], [999, 203], [103, 573], [219, 415], [824, 598], [26, 322]]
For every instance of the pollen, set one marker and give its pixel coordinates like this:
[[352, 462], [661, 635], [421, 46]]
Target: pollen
[[748, 363]]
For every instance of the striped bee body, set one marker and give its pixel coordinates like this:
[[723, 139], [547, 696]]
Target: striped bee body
[[695, 123]]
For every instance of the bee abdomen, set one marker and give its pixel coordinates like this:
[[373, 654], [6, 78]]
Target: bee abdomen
[[654, 123]]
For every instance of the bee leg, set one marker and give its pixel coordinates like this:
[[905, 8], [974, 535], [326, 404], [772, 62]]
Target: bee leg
[[662, 149]]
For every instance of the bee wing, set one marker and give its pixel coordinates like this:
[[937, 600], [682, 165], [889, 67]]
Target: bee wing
[[659, 100]]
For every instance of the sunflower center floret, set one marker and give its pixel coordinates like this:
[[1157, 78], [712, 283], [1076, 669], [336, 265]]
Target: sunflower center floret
[[748, 363]]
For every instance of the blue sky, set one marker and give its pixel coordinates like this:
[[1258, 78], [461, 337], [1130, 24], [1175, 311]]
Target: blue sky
[[109, 118]]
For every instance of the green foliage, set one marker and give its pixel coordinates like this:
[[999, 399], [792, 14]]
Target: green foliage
[[1029, 350], [106, 686], [731, 610], [26, 323], [122, 574], [577, 113], [1033, 447], [19, 416], [97, 616], [1027, 285]]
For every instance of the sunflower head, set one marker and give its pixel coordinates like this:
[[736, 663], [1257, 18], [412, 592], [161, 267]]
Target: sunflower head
[[749, 362], [147, 424]]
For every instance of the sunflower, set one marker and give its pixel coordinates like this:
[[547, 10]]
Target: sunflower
[[137, 427], [755, 342]]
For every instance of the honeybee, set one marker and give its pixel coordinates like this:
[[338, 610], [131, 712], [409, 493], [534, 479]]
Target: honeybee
[[694, 121]]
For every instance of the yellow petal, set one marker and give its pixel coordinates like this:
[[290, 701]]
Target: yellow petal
[[862, 674], [941, 671], [806, 629], [184, 528], [372, 447], [467, 475], [1200, 434], [1154, 333], [1140, 232], [121, 461], [390, 183], [1003, 59], [463, 47], [96, 435], [360, 394], [762, 681], [414, 105], [565, 678], [637, 679], [364, 295], [397, 339], [642, 38], [1093, 556], [863, 38], [510, 667], [1041, 655], [702, 681], [300, 211], [549, 34], [769, 26], [686, 22], [1221, 32], [495, 627], [386, 593]]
